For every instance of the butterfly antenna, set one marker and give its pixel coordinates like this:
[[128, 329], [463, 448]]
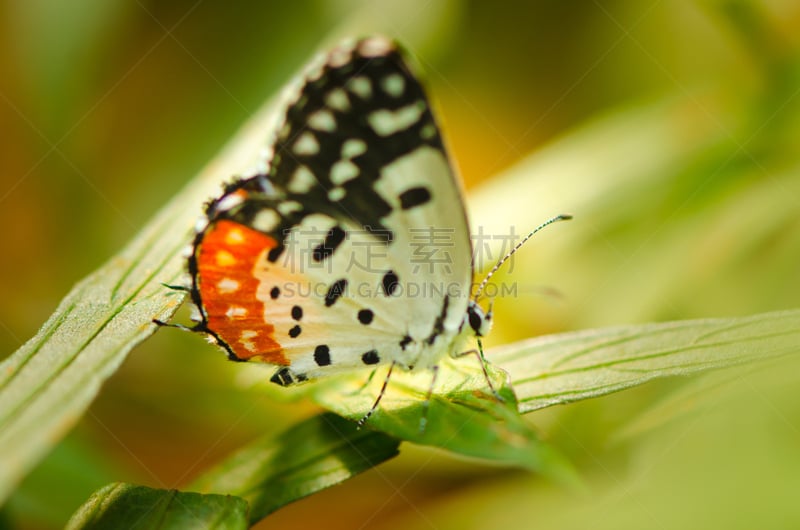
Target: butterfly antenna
[[562, 217]]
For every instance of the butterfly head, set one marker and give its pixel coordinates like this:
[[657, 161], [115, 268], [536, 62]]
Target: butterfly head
[[479, 321]]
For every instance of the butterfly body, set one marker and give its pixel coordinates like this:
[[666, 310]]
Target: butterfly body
[[352, 248]]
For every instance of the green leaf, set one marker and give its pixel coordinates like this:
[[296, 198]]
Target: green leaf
[[569, 367], [313, 455], [463, 416], [128, 506]]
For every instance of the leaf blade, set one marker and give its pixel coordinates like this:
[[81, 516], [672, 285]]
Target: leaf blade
[[562, 368]]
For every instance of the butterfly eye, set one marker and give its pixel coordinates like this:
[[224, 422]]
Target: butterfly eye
[[475, 318]]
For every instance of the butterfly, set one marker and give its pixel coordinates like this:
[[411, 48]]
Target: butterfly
[[351, 249]]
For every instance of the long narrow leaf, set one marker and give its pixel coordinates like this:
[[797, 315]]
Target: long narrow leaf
[[568, 367]]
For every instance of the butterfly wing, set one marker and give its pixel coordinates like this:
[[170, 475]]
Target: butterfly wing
[[353, 248]]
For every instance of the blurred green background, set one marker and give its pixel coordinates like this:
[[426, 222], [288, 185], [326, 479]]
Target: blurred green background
[[670, 129]]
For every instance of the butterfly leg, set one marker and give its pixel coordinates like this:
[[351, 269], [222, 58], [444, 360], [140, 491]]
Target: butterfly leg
[[366, 416], [481, 359], [181, 288], [364, 385], [423, 421], [162, 324]]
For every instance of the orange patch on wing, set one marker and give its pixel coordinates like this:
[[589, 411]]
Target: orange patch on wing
[[226, 261]]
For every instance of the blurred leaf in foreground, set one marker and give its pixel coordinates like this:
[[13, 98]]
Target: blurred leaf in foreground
[[127, 506], [311, 456]]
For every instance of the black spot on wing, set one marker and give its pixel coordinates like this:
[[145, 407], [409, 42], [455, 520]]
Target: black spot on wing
[[390, 283], [332, 241], [335, 291], [365, 316], [371, 357], [297, 312], [414, 197], [322, 355]]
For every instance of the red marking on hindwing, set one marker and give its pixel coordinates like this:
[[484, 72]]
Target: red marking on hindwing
[[226, 261]]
